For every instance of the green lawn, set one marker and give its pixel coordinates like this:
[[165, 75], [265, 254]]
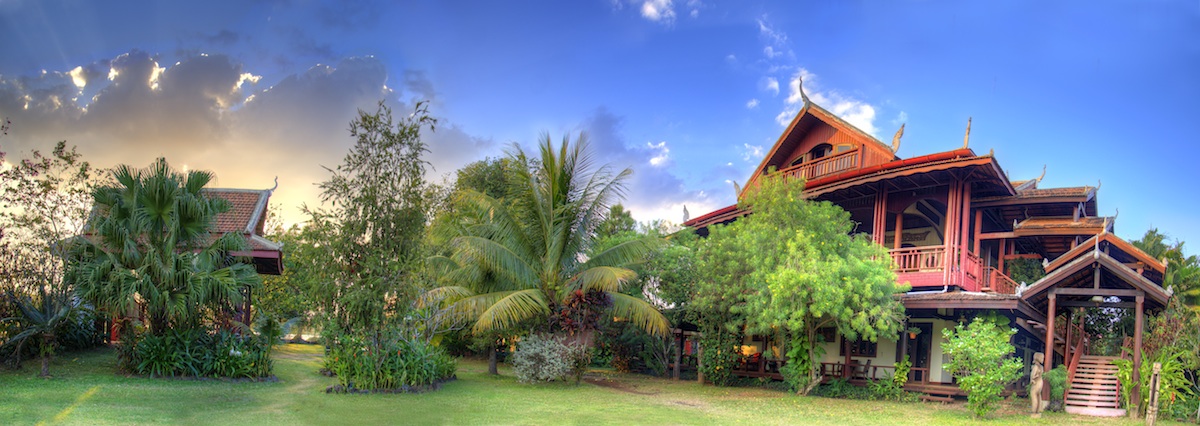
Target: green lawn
[[86, 391]]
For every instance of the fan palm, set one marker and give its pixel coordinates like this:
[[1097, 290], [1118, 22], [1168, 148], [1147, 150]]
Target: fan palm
[[522, 258], [41, 319], [151, 242]]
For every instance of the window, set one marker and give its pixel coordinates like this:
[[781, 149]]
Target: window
[[861, 348], [843, 148]]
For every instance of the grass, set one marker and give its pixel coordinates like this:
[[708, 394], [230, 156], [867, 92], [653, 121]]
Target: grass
[[86, 391]]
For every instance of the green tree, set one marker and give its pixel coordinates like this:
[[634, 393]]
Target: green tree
[[981, 359], [372, 233], [519, 260], [44, 203], [150, 246], [793, 266], [1183, 271]]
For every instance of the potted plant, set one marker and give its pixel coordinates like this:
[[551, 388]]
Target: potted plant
[[913, 332]]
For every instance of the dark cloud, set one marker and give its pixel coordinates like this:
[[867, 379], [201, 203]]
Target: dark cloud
[[416, 82], [194, 113]]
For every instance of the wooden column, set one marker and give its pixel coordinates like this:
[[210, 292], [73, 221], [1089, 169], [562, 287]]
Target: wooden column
[[1137, 352], [1067, 341], [963, 235], [699, 362], [978, 229], [1003, 251], [1049, 361], [879, 220], [896, 240], [948, 238], [678, 353], [846, 366]]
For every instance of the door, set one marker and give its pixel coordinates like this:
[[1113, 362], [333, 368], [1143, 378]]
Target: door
[[918, 352]]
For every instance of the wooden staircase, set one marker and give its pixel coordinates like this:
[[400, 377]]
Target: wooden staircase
[[1094, 389]]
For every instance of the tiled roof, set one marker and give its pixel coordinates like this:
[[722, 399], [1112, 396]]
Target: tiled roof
[[1077, 191], [959, 295], [247, 209], [1062, 222]]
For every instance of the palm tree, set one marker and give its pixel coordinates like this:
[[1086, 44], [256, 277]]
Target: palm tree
[[150, 241], [42, 317], [521, 259]]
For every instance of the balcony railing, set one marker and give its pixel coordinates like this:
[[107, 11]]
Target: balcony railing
[[919, 259], [927, 266], [826, 166]]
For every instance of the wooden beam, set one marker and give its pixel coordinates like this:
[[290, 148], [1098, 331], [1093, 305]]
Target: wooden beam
[[1091, 304], [996, 235], [1022, 256], [1003, 251], [1097, 292]]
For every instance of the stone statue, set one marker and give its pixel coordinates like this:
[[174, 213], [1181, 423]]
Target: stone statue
[[1035, 382]]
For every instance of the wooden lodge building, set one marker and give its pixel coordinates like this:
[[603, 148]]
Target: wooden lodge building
[[953, 221]]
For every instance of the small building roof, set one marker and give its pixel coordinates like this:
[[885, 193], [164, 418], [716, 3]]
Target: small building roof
[[247, 216]]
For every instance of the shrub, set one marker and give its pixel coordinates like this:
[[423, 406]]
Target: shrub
[[980, 358], [842, 388], [545, 358], [1057, 380], [387, 363], [198, 353]]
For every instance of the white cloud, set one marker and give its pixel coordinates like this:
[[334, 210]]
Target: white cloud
[[662, 153], [769, 84], [659, 11], [901, 118], [695, 6], [770, 52], [854, 111], [731, 59], [752, 103], [752, 152]]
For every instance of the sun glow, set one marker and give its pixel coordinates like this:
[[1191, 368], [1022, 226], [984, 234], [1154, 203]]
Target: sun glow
[[154, 74], [78, 77]]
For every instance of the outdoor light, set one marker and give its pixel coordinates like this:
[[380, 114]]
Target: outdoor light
[[1098, 299]]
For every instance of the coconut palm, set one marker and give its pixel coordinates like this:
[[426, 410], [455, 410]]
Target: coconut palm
[[150, 247], [521, 258]]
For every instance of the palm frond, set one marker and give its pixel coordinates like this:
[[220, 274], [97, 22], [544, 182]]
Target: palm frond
[[640, 314], [602, 278], [626, 253], [513, 308]]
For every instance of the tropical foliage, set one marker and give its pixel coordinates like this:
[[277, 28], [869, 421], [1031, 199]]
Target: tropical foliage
[[980, 358], [519, 260], [196, 353], [44, 202], [792, 268], [393, 362], [150, 247]]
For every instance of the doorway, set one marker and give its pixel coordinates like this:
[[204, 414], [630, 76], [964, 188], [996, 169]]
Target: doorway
[[918, 352]]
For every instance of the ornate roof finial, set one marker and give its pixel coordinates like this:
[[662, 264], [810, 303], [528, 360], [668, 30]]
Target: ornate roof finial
[[737, 189], [896, 139], [800, 85], [1099, 183], [272, 190], [967, 137], [686, 216]]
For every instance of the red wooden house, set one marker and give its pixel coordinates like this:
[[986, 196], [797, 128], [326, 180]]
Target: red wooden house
[[953, 222]]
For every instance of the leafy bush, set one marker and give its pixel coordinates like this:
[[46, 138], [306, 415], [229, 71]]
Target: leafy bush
[[197, 353], [719, 355], [980, 358], [387, 363], [545, 358], [1173, 383], [1057, 380]]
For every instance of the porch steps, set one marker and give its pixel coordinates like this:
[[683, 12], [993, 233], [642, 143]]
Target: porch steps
[[944, 399], [1094, 391]]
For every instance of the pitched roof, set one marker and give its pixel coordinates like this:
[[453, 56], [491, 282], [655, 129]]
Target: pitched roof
[[247, 210], [1075, 191], [1063, 225]]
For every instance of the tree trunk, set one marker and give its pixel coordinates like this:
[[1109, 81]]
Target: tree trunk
[[492, 360], [45, 365], [47, 350]]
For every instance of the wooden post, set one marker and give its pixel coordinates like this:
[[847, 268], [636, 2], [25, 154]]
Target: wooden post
[[896, 240], [1137, 354], [1152, 407], [978, 229], [1049, 342], [948, 234], [699, 362], [678, 353], [1067, 342], [1003, 249], [964, 233], [846, 367]]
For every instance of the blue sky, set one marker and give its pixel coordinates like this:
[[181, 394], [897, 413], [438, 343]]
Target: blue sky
[[687, 93]]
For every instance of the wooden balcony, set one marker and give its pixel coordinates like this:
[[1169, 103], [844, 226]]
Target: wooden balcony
[[839, 162], [936, 266]]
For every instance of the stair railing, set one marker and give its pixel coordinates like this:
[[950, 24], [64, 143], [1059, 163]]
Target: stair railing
[[1077, 352]]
